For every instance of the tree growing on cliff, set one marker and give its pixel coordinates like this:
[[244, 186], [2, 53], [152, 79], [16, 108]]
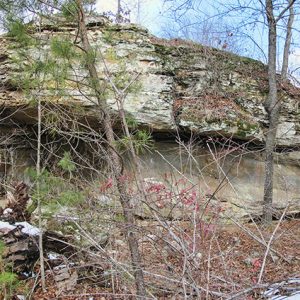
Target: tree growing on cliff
[[273, 102], [278, 15], [278, 19], [208, 32]]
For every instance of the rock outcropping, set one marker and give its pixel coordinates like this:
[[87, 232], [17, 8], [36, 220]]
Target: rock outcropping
[[175, 86], [179, 84]]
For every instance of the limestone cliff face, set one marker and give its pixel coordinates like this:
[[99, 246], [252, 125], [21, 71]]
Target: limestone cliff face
[[174, 87], [179, 85]]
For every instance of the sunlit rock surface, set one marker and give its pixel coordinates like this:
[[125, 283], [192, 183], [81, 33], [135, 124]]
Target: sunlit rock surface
[[179, 87]]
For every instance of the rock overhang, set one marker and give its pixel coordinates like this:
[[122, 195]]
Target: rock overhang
[[182, 86]]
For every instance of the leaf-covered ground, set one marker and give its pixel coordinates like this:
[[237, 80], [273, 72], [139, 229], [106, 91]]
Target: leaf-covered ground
[[226, 261]]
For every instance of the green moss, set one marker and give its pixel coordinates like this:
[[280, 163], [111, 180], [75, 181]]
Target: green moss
[[111, 55], [163, 50], [119, 217], [245, 128], [108, 36], [248, 60], [127, 27], [113, 34], [164, 53]]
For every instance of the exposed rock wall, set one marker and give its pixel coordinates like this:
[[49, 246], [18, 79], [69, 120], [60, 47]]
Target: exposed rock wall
[[237, 177], [179, 87]]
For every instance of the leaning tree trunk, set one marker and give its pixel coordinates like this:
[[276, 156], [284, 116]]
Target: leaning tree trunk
[[288, 40], [273, 107], [116, 162]]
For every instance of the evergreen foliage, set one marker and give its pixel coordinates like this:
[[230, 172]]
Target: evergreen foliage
[[131, 122], [62, 49], [8, 280], [55, 191], [69, 10], [66, 163], [141, 141], [18, 30]]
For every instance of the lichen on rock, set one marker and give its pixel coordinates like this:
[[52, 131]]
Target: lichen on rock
[[172, 74]]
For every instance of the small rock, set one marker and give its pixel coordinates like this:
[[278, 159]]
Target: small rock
[[197, 259], [248, 261], [120, 243], [65, 279]]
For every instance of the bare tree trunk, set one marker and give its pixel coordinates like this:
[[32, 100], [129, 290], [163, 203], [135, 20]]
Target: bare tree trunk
[[115, 160], [119, 12], [38, 188], [272, 103], [138, 17], [287, 44], [273, 108]]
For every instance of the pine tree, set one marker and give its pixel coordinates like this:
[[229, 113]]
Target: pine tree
[[54, 71]]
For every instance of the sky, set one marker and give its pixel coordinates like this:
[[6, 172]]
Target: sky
[[295, 60], [153, 16], [150, 11]]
